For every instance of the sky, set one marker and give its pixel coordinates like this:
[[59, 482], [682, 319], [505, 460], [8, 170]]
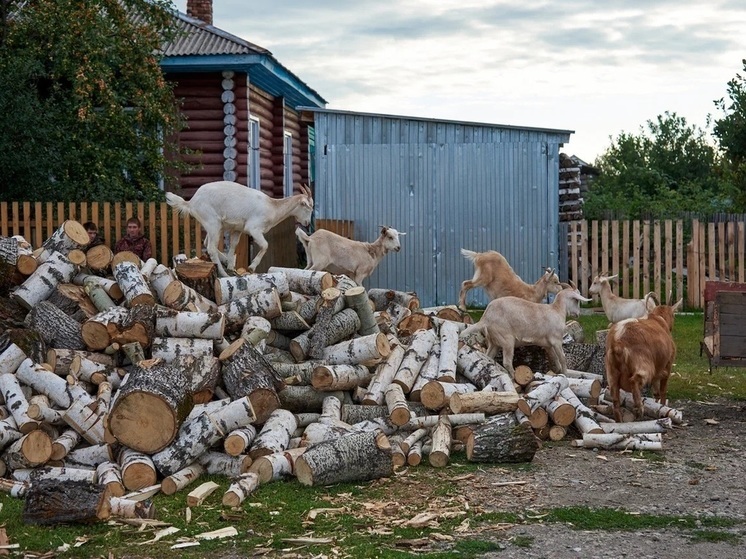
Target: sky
[[596, 67]]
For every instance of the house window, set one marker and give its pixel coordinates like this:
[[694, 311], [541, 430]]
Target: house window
[[287, 153], [254, 170]]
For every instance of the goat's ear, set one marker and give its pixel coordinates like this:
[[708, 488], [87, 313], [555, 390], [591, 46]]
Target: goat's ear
[[613, 278], [383, 229]]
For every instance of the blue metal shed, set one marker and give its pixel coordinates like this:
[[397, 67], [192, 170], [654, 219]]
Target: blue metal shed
[[446, 184]]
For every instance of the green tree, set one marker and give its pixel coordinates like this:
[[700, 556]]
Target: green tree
[[730, 131], [85, 112], [667, 168]]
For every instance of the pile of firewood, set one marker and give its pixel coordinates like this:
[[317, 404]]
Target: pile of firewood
[[119, 375]]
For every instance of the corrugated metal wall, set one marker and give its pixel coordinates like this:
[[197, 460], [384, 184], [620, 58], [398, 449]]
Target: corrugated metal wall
[[447, 185]]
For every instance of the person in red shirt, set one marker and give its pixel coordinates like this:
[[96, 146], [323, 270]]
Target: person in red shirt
[[134, 240]]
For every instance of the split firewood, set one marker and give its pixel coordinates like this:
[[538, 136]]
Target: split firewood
[[382, 297], [246, 373], [352, 457], [109, 474], [621, 441], [502, 439], [309, 282], [137, 469], [150, 406], [485, 401], [436, 395], [198, 495], [240, 489], [202, 432], [10, 389], [179, 296], [55, 327], [181, 479], [52, 501], [234, 287], [265, 303], [357, 299], [73, 301], [274, 435], [414, 357], [219, 463]]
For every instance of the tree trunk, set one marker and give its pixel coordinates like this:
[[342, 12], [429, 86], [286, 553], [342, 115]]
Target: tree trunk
[[350, 458], [45, 382], [440, 452], [179, 296], [246, 373], [10, 390], [50, 502], [275, 434], [219, 464], [502, 440], [150, 406], [272, 467], [55, 327], [449, 331]]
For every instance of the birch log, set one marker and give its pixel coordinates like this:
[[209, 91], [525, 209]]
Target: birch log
[[435, 395], [485, 401], [308, 282], [382, 297], [350, 458], [15, 400], [54, 387], [358, 350], [440, 452], [239, 440], [265, 303], [181, 479], [179, 296], [109, 474], [448, 361], [55, 327], [502, 439], [71, 235], [274, 435], [185, 324], [150, 406], [134, 287], [137, 469], [414, 357], [357, 299], [428, 372], [169, 348], [340, 377], [621, 441], [272, 467], [218, 463], [240, 489], [11, 357], [234, 287], [542, 394]]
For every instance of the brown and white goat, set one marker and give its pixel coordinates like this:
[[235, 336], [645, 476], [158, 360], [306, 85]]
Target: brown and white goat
[[495, 275], [339, 255], [618, 308], [640, 352], [225, 206], [509, 322]]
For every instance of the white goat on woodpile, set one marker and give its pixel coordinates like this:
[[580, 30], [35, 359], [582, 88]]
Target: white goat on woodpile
[[640, 352], [510, 322], [229, 206], [495, 275], [339, 255], [618, 308]]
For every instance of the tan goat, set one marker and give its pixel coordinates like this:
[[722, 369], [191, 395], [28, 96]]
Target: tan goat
[[640, 352], [495, 275]]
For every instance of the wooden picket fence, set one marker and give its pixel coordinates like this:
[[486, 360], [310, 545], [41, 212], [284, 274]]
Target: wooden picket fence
[[169, 233], [666, 257]]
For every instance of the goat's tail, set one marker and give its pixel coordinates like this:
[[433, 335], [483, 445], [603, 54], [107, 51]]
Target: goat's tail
[[178, 203], [470, 330], [303, 237], [469, 254]]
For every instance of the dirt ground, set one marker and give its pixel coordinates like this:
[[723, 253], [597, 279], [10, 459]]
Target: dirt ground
[[702, 473]]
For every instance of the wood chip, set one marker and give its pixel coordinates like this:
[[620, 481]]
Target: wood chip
[[226, 532]]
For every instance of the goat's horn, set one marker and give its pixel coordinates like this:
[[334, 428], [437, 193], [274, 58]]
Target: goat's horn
[[571, 283]]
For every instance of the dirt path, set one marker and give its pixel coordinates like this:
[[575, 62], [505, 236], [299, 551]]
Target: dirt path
[[702, 472]]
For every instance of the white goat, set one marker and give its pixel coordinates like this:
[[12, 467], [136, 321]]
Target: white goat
[[228, 206], [336, 254], [495, 275], [618, 308], [510, 322]]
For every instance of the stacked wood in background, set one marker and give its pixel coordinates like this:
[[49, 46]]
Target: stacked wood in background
[[292, 373]]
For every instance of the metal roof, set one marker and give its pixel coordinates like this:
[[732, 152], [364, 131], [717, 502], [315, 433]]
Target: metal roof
[[200, 47]]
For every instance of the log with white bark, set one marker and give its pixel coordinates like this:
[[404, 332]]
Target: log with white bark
[[637, 427], [120, 325], [246, 373], [31, 450], [357, 413], [234, 287], [340, 326], [560, 411], [179, 296], [9, 432], [51, 501], [331, 410], [317, 433], [272, 467], [396, 402], [204, 375], [89, 456], [55, 327], [584, 375], [440, 452], [64, 443], [109, 284], [219, 463], [477, 367], [126, 256], [150, 406], [88, 370], [88, 420], [449, 340], [33, 475], [137, 469], [357, 299], [350, 458], [240, 489], [73, 301], [289, 321], [456, 419], [130, 508], [15, 489], [265, 303], [502, 439], [340, 377], [308, 282], [256, 330], [589, 389], [414, 357], [15, 400], [202, 432], [109, 474], [382, 297], [436, 395], [485, 401], [650, 408], [61, 359], [169, 348], [54, 387], [274, 435], [239, 440], [621, 441], [542, 394], [585, 418], [160, 278], [358, 350], [551, 432], [134, 286], [417, 451], [185, 324], [428, 372], [71, 235], [416, 321], [10, 358], [412, 438], [181, 479]]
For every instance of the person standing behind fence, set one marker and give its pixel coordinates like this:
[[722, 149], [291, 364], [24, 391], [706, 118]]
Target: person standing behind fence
[[134, 240]]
